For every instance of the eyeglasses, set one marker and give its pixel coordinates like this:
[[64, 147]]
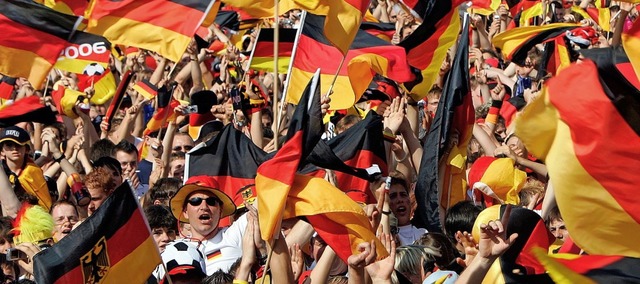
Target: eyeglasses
[[211, 201]]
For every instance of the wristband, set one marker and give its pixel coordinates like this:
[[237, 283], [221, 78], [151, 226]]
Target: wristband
[[57, 160], [389, 137], [496, 103], [385, 212]]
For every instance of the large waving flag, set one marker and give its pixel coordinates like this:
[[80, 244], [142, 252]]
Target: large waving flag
[[427, 46], [70, 7], [262, 54], [283, 194], [151, 25], [33, 37], [314, 51], [103, 249], [582, 150], [455, 115], [516, 43], [232, 159]]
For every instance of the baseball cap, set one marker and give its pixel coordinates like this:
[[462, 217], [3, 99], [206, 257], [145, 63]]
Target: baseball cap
[[16, 135]]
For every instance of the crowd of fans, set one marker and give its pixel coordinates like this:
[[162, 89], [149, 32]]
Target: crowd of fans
[[69, 168]]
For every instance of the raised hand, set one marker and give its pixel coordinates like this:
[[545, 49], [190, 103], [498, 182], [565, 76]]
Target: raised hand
[[493, 237], [380, 271]]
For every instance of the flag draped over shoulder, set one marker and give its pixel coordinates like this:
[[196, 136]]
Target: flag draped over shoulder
[[314, 51], [232, 159], [571, 268], [427, 46], [283, 194], [582, 150], [33, 37], [26, 109], [454, 115], [103, 249], [165, 27], [631, 41], [516, 43], [262, 54]]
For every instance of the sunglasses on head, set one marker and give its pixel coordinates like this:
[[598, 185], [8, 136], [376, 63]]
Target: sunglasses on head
[[211, 201]]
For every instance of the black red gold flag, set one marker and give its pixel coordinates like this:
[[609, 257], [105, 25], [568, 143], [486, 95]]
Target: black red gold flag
[[315, 51], [26, 109], [383, 31], [70, 7], [118, 97], [166, 27], [146, 89], [455, 116], [262, 54], [7, 86], [590, 269], [427, 46], [631, 41], [581, 149], [103, 249], [33, 37]]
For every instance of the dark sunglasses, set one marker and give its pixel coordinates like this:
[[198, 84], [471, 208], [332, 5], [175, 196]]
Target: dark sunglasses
[[182, 148], [211, 201]]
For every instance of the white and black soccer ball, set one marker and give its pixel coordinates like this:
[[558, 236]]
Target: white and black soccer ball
[[181, 256], [93, 69]]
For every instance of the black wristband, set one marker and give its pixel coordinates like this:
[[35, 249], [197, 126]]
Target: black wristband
[[57, 160], [496, 103], [386, 212]]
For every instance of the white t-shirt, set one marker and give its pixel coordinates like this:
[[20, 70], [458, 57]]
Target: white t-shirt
[[409, 234], [223, 249]]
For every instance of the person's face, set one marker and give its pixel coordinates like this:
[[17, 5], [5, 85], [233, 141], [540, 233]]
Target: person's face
[[203, 217], [4, 245], [558, 229], [65, 217], [266, 121], [432, 105], [526, 69], [117, 177], [182, 143], [128, 161], [317, 248], [97, 197], [400, 204], [162, 236], [8, 271], [13, 152], [176, 169]]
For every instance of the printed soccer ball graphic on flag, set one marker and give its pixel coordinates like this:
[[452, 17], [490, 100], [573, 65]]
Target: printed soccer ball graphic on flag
[[93, 69], [181, 256]]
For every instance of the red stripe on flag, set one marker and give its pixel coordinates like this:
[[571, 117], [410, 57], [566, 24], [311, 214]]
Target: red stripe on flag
[[265, 49], [422, 55], [127, 238], [589, 262], [25, 38]]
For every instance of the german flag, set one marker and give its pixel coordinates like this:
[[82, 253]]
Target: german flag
[[164, 111], [103, 249], [516, 43], [114, 106], [427, 46], [314, 51], [146, 89], [383, 31], [572, 268], [357, 148], [532, 233], [69, 7], [417, 7], [631, 41], [232, 159], [454, 115], [165, 27], [260, 8], [601, 16], [282, 194], [34, 36], [617, 55], [581, 149], [262, 54], [26, 109], [7, 86]]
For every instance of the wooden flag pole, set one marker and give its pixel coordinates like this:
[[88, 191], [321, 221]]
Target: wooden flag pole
[[276, 42]]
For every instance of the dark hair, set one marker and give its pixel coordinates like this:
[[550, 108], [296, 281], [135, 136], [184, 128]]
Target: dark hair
[[160, 216], [446, 248], [6, 225], [127, 147], [218, 277], [460, 217], [164, 188], [554, 214], [62, 129], [347, 122], [102, 148], [110, 163], [398, 178]]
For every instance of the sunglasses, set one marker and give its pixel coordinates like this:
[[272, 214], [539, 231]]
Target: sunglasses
[[211, 201], [182, 148]]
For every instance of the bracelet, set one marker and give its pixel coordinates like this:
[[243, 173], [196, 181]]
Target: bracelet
[[400, 160], [57, 160], [385, 212]]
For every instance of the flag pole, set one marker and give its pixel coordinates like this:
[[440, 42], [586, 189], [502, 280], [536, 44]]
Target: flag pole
[[276, 40], [335, 77], [303, 16]]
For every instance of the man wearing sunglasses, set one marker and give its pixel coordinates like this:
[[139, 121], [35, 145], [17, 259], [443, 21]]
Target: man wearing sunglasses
[[202, 205]]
